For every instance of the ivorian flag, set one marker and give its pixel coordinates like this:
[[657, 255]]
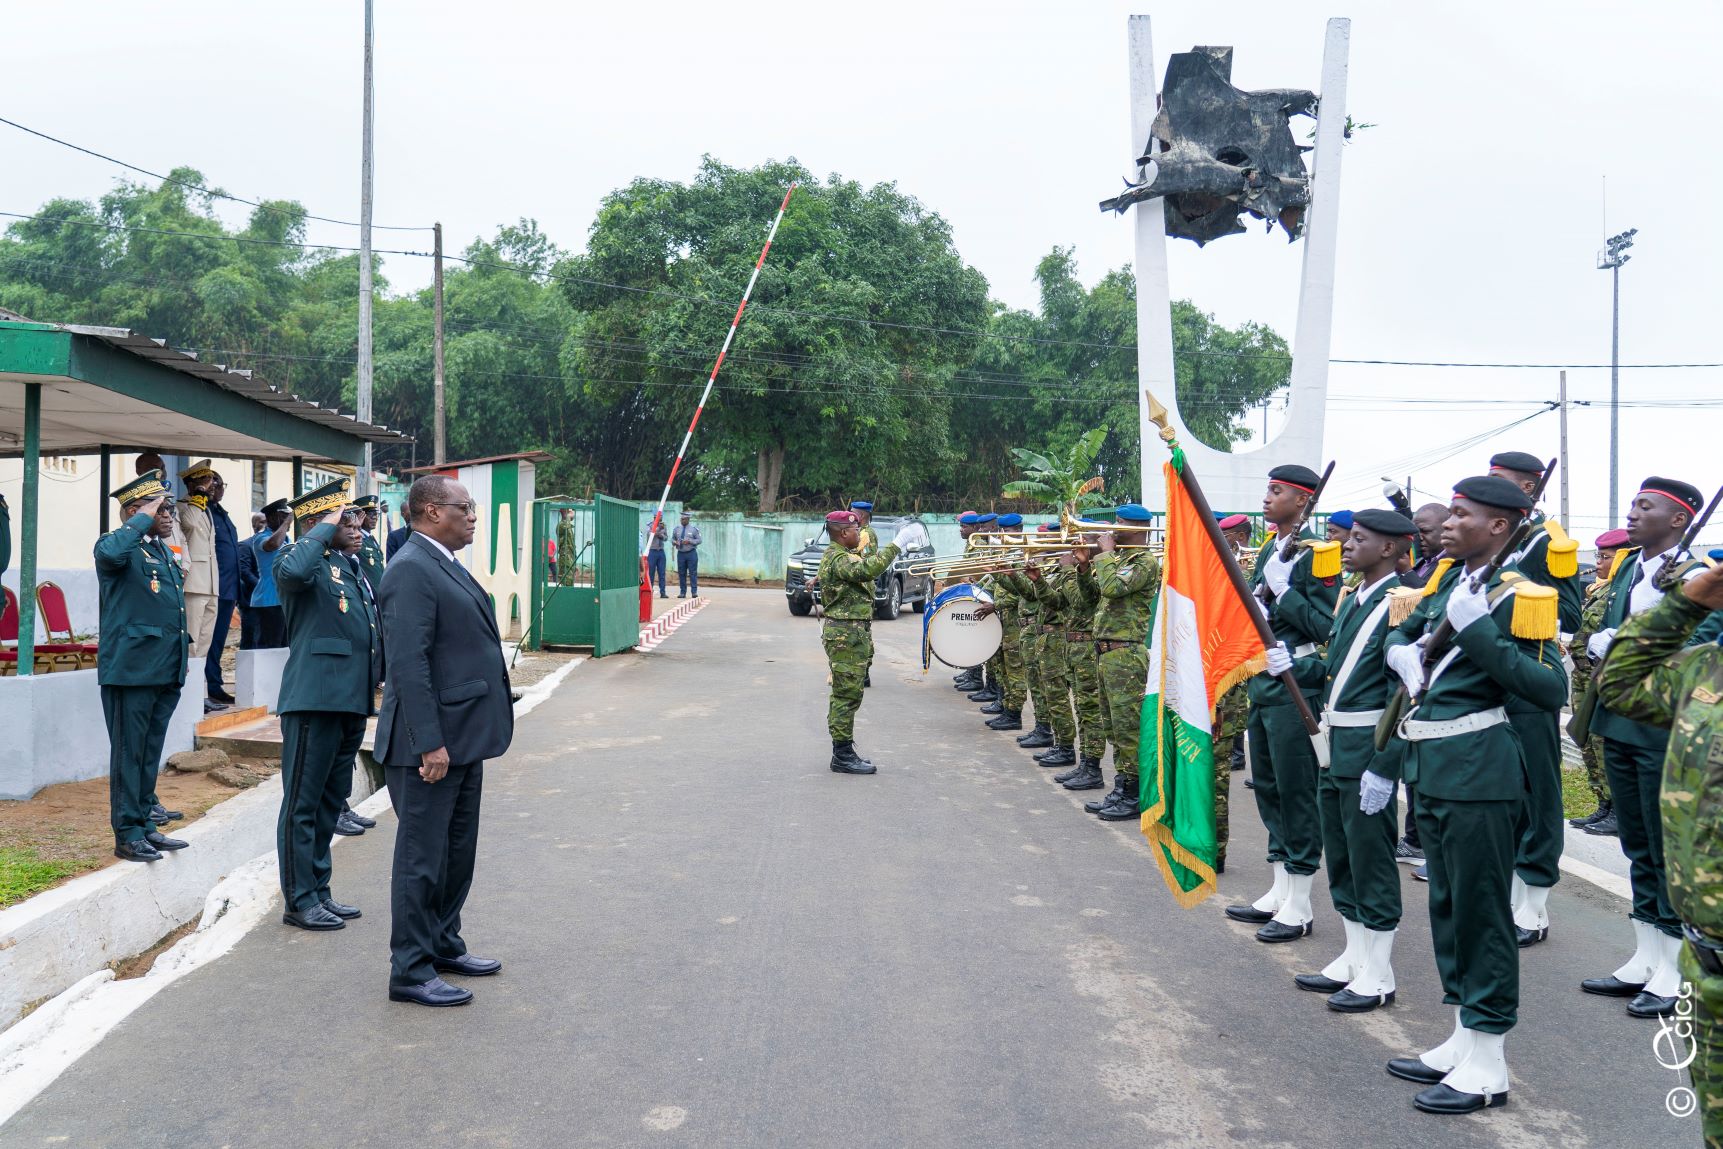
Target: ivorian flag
[[1202, 643]]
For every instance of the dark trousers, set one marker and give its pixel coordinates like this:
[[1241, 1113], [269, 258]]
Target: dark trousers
[[1541, 825], [317, 753], [271, 627], [1358, 847], [1469, 849], [1411, 818], [1636, 783], [655, 570], [217, 641], [137, 718], [1283, 766], [247, 628], [436, 843], [688, 573]]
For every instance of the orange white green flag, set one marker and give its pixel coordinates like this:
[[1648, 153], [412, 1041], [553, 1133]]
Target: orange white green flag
[[1202, 643]]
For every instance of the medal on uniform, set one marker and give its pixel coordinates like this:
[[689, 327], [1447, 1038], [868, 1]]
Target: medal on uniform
[[343, 604], [155, 585], [335, 573]]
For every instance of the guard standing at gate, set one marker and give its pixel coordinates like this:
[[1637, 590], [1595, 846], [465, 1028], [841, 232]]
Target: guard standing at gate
[[328, 689], [141, 661]]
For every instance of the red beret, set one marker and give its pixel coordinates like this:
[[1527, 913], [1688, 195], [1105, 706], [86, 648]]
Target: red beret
[[1232, 521], [1612, 539], [844, 517], [1048, 527]]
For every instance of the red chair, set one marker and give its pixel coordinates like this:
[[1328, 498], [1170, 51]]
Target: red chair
[[57, 621], [49, 656]]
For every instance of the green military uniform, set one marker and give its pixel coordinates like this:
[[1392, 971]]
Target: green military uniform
[[1128, 582], [1010, 670], [566, 549], [328, 689], [846, 595], [1471, 784], [1590, 621], [1029, 642], [1053, 662], [1649, 678], [1282, 761], [1082, 597], [141, 658], [869, 548], [1232, 716]]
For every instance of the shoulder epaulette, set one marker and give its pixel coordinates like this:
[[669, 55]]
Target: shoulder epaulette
[[1537, 613], [1402, 601], [1563, 552], [1324, 558], [1435, 582]]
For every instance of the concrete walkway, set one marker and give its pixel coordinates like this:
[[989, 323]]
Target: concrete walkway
[[711, 940]]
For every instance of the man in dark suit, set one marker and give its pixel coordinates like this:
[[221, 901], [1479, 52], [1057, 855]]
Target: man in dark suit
[[334, 662], [446, 708], [397, 538]]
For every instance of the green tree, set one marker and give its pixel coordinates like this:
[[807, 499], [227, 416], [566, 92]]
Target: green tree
[[1067, 485]]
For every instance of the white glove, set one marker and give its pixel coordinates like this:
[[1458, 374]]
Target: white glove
[[1598, 644], [1374, 792], [1466, 606], [907, 536], [1278, 577], [1279, 659], [1408, 663]]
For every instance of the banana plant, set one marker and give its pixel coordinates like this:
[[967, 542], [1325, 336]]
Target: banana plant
[[1061, 486]]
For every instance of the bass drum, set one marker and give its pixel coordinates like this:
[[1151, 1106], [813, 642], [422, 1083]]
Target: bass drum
[[952, 632]]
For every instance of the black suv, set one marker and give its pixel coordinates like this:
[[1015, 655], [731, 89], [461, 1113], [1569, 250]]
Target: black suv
[[890, 591]]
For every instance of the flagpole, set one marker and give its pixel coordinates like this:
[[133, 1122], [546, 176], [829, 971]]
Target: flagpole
[[1234, 574]]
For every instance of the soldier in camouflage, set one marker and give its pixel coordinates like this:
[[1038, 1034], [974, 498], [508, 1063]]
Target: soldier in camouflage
[[1129, 582], [1650, 678], [846, 579], [1075, 578], [1602, 819], [1055, 665]]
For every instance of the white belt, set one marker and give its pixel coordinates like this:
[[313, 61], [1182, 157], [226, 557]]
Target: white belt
[[1304, 651], [1415, 730], [1339, 718]]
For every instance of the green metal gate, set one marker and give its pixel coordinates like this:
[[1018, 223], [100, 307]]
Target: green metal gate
[[588, 594]]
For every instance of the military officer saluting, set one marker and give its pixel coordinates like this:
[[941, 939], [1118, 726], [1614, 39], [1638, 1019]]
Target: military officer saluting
[[1466, 762], [846, 579], [141, 660], [370, 550], [328, 689]]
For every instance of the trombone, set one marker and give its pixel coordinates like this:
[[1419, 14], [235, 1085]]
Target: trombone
[[1015, 551]]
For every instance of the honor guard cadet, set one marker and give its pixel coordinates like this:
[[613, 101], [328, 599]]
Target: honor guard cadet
[[1355, 793], [141, 660], [1633, 751], [1299, 595], [1650, 678], [1548, 558], [370, 550], [1464, 758], [846, 579], [1602, 819], [1129, 581], [328, 689]]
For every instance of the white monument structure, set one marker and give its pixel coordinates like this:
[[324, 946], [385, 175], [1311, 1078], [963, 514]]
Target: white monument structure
[[1234, 481]]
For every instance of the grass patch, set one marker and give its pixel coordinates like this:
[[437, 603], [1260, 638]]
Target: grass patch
[[1577, 800], [24, 872]]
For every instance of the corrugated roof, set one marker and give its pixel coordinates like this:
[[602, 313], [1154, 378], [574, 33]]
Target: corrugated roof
[[525, 456]]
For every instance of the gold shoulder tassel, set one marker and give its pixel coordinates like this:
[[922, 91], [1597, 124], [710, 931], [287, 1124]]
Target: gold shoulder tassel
[[1325, 558], [1402, 601], [1563, 560], [1536, 612], [1435, 582]]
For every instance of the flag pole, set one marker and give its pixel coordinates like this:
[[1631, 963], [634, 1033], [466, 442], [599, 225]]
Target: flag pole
[[1234, 574]]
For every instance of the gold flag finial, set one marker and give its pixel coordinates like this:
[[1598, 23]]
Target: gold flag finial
[[1158, 416]]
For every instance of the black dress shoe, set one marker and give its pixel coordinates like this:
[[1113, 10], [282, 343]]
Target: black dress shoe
[[1008, 720], [994, 707], [1441, 1098], [221, 696], [136, 850], [355, 816], [341, 910], [1650, 1005], [468, 966], [434, 992], [1058, 756], [1281, 932], [1036, 739], [1250, 915], [163, 842], [1612, 986], [1414, 1069], [348, 828], [1605, 827], [1530, 937], [1316, 983], [161, 816], [1249, 785], [1345, 1001], [313, 918]]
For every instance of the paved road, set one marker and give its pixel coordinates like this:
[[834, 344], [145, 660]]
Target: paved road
[[711, 940]]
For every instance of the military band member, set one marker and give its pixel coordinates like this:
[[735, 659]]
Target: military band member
[[1634, 751], [1055, 667], [1299, 595], [328, 689], [141, 659], [1466, 761], [973, 678], [1129, 582], [846, 580], [1007, 709], [1075, 579], [1355, 793], [1601, 820]]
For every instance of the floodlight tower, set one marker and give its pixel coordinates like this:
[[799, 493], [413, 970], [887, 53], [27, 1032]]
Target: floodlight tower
[[1611, 261]]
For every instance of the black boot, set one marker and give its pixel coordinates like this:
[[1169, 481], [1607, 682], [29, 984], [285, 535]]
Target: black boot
[[1605, 826], [1038, 738], [1087, 775], [994, 707], [1238, 753], [1058, 756], [1009, 720], [968, 680], [1604, 810], [1125, 806], [1106, 800], [984, 694], [846, 761]]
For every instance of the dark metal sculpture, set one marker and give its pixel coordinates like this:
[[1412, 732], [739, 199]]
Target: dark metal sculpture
[[1215, 151]]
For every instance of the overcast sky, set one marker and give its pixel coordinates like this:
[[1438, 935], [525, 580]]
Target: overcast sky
[[1471, 218]]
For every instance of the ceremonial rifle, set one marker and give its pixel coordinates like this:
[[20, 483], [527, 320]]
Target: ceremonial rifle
[[1399, 500], [1443, 636]]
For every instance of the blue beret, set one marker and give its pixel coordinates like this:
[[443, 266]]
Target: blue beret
[[860, 505], [1012, 520], [1134, 513], [1341, 519], [1716, 554], [987, 518], [969, 518]]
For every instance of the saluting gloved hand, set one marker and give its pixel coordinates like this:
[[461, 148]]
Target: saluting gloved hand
[[1598, 644], [1374, 791], [1279, 659], [1467, 605], [1408, 663]]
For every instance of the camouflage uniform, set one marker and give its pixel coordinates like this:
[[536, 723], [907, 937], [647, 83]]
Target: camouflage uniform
[[1232, 715], [565, 549], [1596, 599], [846, 594], [1129, 582], [1029, 641], [1650, 679], [1013, 685], [1081, 597], [1055, 664]]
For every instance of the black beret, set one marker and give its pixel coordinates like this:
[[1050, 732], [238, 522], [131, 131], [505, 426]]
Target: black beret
[[1494, 491], [1521, 461], [1684, 493], [1384, 522], [1295, 476], [278, 506]]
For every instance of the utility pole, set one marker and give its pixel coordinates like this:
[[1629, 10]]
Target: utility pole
[[1611, 261], [441, 441], [1565, 520], [363, 388]]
